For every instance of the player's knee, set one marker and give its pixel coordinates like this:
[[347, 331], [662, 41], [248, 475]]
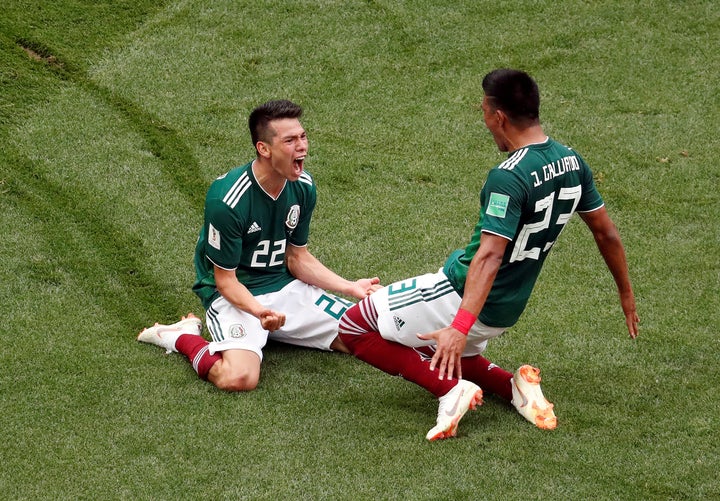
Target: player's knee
[[243, 380]]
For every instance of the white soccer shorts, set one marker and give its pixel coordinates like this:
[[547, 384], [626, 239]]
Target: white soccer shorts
[[421, 305], [311, 320]]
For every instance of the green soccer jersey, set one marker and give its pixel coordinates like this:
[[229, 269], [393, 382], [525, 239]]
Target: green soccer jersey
[[246, 230], [527, 199]]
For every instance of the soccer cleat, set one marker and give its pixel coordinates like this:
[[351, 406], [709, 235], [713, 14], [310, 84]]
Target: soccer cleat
[[453, 406], [529, 400], [166, 335]]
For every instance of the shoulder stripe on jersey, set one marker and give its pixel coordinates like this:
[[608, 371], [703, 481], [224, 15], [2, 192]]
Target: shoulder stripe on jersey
[[237, 190], [514, 159], [305, 178]]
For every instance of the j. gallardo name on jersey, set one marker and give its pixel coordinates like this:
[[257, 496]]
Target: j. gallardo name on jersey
[[557, 168]]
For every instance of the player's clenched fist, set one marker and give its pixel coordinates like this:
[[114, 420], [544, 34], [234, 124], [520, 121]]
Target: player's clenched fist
[[271, 320]]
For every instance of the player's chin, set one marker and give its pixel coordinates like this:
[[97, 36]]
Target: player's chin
[[296, 172]]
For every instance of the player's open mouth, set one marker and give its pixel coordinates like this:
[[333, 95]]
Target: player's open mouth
[[299, 163]]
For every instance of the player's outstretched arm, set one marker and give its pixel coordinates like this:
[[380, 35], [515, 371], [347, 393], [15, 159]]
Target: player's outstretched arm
[[307, 268], [610, 245]]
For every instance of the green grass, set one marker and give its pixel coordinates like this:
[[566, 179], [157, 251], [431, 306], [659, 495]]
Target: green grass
[[115, 117]]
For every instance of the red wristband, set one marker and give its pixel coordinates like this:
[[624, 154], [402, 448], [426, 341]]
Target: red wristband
[[463, 321]]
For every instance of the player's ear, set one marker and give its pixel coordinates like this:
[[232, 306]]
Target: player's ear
[[263, 149], [501, 117]]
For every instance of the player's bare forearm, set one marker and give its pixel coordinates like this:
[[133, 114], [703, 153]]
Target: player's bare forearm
[[236, 293], [239, 296], [482, 271], [614, 255], [609, 243], [307, 268]]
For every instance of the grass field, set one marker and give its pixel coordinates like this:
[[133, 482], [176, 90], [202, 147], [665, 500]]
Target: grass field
[[115, 117]]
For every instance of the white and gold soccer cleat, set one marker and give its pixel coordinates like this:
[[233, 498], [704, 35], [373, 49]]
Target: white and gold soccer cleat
[[529, 400], [166, 335], [453, 406]]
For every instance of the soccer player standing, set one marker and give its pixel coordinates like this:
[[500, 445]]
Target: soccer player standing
[[482, 289], [255, 276]]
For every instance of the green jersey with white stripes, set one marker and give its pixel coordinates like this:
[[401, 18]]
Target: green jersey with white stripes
[[527, 199], [246, 230]]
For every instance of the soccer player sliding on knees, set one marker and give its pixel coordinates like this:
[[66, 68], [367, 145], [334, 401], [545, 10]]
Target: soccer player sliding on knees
[[482, 290]]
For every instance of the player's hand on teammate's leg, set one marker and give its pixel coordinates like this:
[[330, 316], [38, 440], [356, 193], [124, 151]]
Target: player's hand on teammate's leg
[[450, 344]]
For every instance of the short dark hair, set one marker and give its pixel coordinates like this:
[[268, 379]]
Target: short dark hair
[[515, 93], [260, 118]]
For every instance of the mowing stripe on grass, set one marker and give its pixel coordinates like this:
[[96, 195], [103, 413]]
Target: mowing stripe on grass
[[178, 163]]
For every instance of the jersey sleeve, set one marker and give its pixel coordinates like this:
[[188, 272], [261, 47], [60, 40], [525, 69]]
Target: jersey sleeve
[[501, 203], [590, 199], [223, 231]]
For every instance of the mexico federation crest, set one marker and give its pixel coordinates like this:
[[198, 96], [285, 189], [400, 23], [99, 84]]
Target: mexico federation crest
[[237, 331], [293, 217]]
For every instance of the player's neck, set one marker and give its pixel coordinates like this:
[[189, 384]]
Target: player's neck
[[269, 180], [525, 137]]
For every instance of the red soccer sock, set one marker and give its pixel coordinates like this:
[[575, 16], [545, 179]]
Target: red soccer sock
[[488, 376], [195, 348], [397, 360], [358, 330]]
